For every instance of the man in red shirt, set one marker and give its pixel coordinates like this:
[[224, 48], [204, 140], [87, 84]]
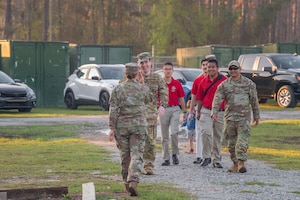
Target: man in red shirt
[[211, 130], [171, 116], [192, 109]]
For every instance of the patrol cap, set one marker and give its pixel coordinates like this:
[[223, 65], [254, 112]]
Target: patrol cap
[[234, 63], [210, 56], [131, 68], [144, 56]]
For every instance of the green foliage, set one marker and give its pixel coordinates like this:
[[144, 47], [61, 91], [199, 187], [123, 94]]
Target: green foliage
[[173, 27], [167, 24]]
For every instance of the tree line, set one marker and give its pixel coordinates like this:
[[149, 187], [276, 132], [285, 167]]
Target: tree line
[[167, 24]]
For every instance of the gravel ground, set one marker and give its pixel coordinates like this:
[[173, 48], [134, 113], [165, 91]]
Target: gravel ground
[[260, 182]]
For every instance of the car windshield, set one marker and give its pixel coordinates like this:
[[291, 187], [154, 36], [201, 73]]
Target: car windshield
[[190, 75], [287, 61], [5, 78], [112, 72]]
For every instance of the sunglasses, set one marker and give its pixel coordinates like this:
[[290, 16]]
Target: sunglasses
[[233, 68]]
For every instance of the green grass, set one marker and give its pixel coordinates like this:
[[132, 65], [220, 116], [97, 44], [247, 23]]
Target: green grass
[[96, 110], [260, 183], [54, 112], [272, 105], [277, 142]]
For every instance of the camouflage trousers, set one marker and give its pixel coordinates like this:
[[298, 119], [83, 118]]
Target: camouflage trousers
[[131, 141], [149, 150], [237, 134]]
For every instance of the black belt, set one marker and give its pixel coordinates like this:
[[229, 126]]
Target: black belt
[[172, 105], [220, 110]]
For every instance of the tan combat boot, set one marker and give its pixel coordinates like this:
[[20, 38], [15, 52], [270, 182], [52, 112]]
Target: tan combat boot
[[148, 171], [234, 167], [241, 167], [133, 188], [126, 188]]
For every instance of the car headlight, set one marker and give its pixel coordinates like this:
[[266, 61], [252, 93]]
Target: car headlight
[[30, 93]]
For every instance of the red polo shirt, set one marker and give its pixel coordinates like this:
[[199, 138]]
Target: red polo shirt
[[209, 97], [175, 91], [196, 84]]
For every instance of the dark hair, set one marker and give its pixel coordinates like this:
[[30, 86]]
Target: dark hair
[[168, 63], [204, 60], [212, 60]]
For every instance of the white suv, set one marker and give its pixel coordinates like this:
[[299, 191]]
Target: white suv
[[92, 84]]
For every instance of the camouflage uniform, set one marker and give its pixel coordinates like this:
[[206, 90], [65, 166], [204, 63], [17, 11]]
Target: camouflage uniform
[[159, 94], [239, 95], [127, 117], [157, 86]]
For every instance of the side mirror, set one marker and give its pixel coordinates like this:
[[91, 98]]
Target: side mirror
[[183, 82]]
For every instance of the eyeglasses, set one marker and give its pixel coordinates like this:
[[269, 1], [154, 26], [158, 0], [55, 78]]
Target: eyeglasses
[[233, 68], [167, 69]]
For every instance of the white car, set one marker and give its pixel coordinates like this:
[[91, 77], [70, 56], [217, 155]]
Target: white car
[[92, 84]]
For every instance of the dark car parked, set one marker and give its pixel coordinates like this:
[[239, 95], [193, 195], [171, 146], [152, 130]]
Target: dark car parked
[[276, 75], [15, 95]]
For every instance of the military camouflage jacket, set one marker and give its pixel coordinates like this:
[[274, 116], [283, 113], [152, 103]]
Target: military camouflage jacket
[[128, 105], [239, 96], [159, 93]]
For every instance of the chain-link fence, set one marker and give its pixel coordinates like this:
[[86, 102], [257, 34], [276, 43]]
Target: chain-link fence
[[158, 61]]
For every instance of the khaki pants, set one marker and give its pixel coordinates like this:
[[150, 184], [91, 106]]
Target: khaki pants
[[199, 145], [170, 119], [211, 134]]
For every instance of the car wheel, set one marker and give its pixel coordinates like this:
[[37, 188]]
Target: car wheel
[[24, 109], [70, 101], [286, 97], [263, 100], [104, 101]]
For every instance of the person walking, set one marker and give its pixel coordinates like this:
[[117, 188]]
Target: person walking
[[128, 125], [193, 111], [191, 125], [170, 119], [159, 93], [240, 95], [211, 130]]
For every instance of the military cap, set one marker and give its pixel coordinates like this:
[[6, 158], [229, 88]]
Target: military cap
[[144, 56], [234, 63], [211, 56], [131, 68]]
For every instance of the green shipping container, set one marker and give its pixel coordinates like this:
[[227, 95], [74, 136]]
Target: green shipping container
[[192, 61], [99, 54], [191, 57], [43, 66], [223, 54], [238, 50], [281, 48]]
